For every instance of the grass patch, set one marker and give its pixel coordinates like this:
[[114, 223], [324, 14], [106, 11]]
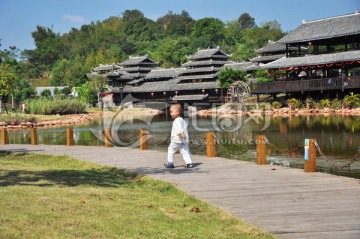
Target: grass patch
[[59, 197], [53, 106]]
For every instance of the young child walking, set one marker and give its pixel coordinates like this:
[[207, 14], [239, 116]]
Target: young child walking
[[179, 138]]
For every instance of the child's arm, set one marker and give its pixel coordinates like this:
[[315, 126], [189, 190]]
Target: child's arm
[[182, 135]]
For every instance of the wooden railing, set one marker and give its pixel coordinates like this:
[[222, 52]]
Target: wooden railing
[[306, 85]]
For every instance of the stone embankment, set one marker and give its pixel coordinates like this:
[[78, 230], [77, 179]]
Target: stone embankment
[[68, 120], [281, 112], [76, 119]]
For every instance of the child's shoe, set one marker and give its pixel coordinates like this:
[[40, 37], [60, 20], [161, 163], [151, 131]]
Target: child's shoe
[[189, 165], [169, 165]]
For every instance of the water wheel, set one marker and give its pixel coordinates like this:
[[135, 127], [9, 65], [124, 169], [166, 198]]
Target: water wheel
[[237, 93]]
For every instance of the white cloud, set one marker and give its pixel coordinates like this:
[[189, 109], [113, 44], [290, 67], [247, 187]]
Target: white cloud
[[74, 18]]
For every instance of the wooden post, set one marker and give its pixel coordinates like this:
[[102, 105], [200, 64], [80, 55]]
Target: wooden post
[[143, 139], [310, 164], [210, 145], [107, 137], [69, 137], [260, 149], [33, 134], [4, 136]]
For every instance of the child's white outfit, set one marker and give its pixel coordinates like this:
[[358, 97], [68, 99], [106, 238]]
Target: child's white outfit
[[177, 143]]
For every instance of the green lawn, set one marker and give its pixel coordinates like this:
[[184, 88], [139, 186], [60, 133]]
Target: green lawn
[[60, 197]]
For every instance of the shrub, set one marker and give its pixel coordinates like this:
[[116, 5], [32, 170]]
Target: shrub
[[264, 106], [276, 105], [310, 103], [336, 103], [66, 91], [294, 103], [46, 93], [325, 103], [60, 106], [352, 100]]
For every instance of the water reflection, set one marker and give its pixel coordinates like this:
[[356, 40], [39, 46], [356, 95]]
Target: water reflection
[[338, 136]]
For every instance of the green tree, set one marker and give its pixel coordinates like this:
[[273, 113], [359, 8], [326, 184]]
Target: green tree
[[246, 21], [227, 76], [271, 25], [49, 49], [176, 25], [208, 32], [61, 73], [129, 15]]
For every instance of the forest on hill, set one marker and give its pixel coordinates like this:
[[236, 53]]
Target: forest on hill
[[64, 59]]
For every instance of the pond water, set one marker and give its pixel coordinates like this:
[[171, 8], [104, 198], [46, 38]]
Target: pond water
[[337, 136]]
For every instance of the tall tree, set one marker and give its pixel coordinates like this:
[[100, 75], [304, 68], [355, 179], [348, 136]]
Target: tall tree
[[208, 32], [129, 15], [246, 21]]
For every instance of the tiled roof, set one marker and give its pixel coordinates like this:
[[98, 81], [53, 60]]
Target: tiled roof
[[133, 82], [171, 85], [197, 86], [138, 60], [209, 53], [276, 47], [199, 70], [332, 27], [254, 67], [193, 77], [106, 68], [210, 62], [239, 65], [162, 73], [139, 69], [314, 60], [154, 86], [267, 58]]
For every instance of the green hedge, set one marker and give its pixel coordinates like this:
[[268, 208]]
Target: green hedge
[[46, 106]]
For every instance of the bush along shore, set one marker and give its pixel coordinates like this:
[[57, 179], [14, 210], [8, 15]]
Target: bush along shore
[[281, 111], [350, 105]]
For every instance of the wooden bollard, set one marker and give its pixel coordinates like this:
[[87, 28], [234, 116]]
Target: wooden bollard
[[33, 134], [310, 163], [210, 145], [4, 136], [260, 149], [69, 137], [107, 137], [143, 139]]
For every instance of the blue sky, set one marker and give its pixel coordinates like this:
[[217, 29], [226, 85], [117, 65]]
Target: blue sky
[[18, 18]]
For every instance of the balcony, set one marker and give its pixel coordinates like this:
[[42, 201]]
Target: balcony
[[306, 85]]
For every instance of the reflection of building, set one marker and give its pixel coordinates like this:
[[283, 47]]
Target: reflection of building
[[332, 63]]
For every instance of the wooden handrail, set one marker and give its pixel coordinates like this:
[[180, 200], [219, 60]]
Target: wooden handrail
[[330, 83]]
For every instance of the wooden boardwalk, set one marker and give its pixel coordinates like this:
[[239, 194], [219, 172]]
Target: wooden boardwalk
[[286, 202]]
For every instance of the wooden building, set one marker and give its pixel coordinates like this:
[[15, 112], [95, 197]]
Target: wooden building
[[276, 50], [139, 80], [331, 65]]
